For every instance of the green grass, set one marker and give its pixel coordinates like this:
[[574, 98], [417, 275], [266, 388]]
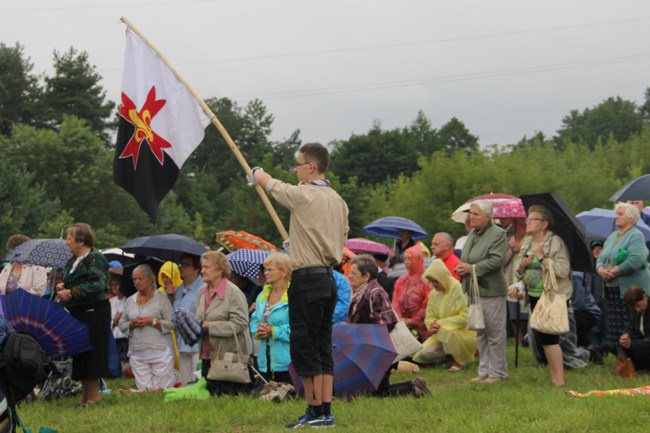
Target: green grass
[[526, 402]]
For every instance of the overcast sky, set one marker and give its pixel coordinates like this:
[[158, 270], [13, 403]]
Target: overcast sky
[[506, 68]]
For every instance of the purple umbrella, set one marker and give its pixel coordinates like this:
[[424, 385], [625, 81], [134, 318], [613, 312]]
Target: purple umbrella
[[361, 245], [55, 329], [362, 353], [389, 227]]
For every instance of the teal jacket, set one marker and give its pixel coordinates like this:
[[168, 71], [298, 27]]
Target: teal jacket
[[279, 342], [487, 251], [633, 265]]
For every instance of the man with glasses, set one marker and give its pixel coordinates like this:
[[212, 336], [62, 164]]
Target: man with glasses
[[185, 297], [318, 229]]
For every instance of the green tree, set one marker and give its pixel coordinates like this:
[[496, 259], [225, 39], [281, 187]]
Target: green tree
[[453, 136], [20, 92], [614, 116], [75, 90]]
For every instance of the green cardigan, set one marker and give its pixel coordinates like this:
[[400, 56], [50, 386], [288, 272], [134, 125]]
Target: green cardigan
[[634, 269], [89, 281], [487, 251]]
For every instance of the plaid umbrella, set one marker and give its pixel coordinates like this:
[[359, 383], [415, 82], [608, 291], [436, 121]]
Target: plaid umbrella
[[56, 330], [247, 262], [41, 252], [362, 353]]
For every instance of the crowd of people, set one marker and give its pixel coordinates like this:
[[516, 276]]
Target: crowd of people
[[286, 317]]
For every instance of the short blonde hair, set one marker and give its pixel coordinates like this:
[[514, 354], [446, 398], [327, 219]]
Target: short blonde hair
[[219, 260], [281, 261]]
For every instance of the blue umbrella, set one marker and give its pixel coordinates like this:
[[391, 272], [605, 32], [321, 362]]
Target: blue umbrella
[[636, 189], [165, 247], [600, 223], [41, 252], [389, 227], [56, 330], [247, 262]]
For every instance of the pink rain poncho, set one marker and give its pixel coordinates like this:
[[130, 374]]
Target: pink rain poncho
[[411, 294]]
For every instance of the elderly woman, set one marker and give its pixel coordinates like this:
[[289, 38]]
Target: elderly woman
[[224, 311], [185, 297], [270, 320], [147, 320], [622, 263], [370, 304], [83, 293], [446, 319], [540, 248], [30, 278], [485, 251], [411, 293]]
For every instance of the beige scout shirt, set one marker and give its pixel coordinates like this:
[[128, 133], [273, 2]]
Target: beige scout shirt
[[319, 222]]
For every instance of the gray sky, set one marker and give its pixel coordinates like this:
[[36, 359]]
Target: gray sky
[[506, 68]]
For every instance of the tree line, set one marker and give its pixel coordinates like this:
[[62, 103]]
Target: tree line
[[57, 162]]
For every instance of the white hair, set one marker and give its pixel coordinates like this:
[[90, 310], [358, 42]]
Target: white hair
[[630, 211], [484, 206]]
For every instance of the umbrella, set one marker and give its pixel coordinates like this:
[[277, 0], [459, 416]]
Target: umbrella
[[118, 254], [41, 252], [234, 240], [56, 330], [362, 354], [566, 226], [636, 189], [460, 214], [599, 223], [389, 227], [165, 247], [247, 262], [513, 208], [361, 245]]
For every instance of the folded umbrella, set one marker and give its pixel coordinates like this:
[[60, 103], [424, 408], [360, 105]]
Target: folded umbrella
[[165, 247], [56, 330], [187, 325], [389, 227]]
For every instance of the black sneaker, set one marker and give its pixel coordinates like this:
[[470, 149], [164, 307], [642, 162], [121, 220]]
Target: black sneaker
[[308, 421]]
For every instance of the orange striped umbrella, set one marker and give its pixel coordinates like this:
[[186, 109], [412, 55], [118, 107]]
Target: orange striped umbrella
[[235, 240]]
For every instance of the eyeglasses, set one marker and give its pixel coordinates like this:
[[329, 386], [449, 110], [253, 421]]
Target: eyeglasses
[[268, 270], [298, 164], [529, 219]]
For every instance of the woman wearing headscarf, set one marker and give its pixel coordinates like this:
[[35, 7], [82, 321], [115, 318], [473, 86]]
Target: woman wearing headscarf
[[446, 319], [412, 293], [83, 292], [169, 278], [540, 248], [484, 251], [622, 263]]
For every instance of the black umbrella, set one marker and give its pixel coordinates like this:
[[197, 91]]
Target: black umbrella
[[566, 226], [636, 189], [165, 247]]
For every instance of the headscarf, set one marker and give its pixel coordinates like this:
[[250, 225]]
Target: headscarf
[[438, 271], [171, 271]]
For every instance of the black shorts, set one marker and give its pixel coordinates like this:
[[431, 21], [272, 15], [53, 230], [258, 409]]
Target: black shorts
[[312, 298]]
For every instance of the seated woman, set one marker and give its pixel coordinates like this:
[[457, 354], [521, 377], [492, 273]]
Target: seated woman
[[270, 320], [446, 319], [411, 293], [224, 311], [147, 320], [635, 342], [370, 304]]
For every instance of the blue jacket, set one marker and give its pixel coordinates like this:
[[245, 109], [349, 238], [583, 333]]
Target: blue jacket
[[581, 298], [343, 293], [187, 299], [279, 342]]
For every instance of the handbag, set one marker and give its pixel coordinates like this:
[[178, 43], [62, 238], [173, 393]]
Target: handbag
[[475, 318], [625, 368], [229, 366], [403, 339], [550, 315]]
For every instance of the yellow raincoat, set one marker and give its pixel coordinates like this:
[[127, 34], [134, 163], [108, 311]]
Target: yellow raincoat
[[449, 309], [171, 271]]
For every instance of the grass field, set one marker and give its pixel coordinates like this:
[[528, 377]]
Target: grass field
[[526, 402]]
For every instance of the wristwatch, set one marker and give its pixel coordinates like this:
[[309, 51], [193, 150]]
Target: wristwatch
[[154, 322]]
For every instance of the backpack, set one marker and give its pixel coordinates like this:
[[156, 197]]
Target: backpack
[[23, 365]]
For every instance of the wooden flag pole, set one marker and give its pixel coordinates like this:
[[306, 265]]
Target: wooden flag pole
[[215, 121]]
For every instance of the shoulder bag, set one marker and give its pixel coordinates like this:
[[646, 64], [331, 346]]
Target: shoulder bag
[[475, 319], [550, 315], [229, 366]]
